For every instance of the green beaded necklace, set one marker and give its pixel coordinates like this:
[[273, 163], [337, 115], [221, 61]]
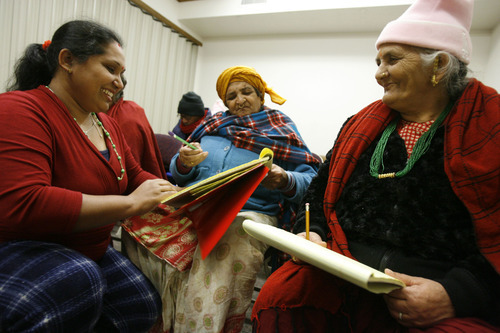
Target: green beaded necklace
[[106, 133], [421, 147]]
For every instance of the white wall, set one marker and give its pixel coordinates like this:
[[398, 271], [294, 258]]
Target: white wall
[[492, 75], [324, 78]]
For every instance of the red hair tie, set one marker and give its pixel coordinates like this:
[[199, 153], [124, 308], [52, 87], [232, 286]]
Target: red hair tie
[[46, 44]]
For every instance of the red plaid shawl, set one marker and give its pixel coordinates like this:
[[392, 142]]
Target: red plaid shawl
[[472, 162]]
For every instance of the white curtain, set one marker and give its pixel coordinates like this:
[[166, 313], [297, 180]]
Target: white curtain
[[161, 63]]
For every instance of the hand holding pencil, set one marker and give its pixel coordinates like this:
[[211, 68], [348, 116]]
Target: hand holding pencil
[[310, 235], [178, 138], [190, 157], [307, 234]]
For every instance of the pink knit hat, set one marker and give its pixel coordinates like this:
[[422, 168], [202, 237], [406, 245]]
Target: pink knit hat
[[434, 24]]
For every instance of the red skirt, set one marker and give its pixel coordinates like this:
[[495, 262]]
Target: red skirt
[[302, 298]]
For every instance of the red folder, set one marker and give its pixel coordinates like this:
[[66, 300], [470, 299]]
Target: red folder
[[213, 204]]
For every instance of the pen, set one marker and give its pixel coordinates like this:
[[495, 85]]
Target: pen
[[307, 221], [182, 140]]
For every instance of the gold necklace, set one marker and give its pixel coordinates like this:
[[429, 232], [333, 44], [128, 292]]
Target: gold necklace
[[92, 125]]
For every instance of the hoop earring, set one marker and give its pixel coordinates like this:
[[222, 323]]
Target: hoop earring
[[433, 79]]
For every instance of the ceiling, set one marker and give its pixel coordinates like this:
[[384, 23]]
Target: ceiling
[[236, 18]]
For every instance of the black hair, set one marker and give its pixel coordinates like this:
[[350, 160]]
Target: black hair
[[120, 93], [83, 38]]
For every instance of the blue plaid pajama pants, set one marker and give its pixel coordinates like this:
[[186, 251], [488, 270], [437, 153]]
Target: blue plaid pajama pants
[[46, 287]]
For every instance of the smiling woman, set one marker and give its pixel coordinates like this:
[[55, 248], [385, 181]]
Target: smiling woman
[[411, 186], [67, 177]]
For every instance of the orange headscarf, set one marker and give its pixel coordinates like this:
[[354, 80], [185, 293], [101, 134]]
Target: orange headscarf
[[248, 75]]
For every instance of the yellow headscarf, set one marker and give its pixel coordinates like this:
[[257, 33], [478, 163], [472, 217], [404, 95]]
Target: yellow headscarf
[[249, 75]]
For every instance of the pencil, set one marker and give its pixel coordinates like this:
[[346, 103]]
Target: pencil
[[182, 140], [307, 221]]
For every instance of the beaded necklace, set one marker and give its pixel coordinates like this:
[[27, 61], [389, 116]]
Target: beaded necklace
[[421, 147], [95, 121], [108, 136]]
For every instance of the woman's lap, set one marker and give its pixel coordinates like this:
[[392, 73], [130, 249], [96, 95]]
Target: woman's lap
[[229, 271], [220, 286], [325, 303], [46, 287]]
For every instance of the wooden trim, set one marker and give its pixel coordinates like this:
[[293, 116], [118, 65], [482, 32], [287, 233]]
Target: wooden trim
[[161, 18]]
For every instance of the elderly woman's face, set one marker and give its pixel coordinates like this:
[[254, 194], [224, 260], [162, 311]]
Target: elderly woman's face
[[400, 72], [241, 99]]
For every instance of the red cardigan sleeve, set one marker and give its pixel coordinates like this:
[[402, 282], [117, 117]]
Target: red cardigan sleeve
[[29, 201]]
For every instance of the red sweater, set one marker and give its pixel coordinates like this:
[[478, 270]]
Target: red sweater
[[47, 163], [139, 135]]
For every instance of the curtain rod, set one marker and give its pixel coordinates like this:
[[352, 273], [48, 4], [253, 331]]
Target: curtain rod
[[157, 16]]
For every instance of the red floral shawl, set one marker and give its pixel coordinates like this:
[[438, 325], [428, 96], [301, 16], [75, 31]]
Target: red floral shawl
[[472, 162]]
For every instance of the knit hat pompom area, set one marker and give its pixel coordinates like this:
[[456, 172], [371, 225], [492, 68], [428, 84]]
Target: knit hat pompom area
[[434, 24], [191, 105]]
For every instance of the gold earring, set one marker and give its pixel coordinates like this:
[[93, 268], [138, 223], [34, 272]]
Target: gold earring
[[433, 79]]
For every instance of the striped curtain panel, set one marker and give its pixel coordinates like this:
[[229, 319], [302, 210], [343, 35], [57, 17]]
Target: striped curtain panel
[[161, 63]]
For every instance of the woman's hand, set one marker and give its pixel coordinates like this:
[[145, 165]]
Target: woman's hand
[[150, 193], [313, 237], [421, 303], [192, 157], [100, 210], [276, 178]]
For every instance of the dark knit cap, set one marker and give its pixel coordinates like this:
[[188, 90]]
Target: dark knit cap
[[191, 105]]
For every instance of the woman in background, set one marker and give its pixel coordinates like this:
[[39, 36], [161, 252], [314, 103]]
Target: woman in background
[[192, 112], [138, 133], [67, 177], [412, 187]]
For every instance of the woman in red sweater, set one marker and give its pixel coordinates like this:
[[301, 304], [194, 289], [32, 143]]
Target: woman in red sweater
[[67, 177]]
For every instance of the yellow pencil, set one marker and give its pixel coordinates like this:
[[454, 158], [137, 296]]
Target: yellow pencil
[[307, 221]]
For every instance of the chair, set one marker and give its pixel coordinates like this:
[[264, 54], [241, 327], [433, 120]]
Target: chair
[[169, 146]]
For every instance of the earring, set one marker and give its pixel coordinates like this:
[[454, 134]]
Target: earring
[[433, 79]]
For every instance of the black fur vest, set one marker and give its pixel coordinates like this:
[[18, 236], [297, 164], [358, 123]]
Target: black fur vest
[[418, 214]]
